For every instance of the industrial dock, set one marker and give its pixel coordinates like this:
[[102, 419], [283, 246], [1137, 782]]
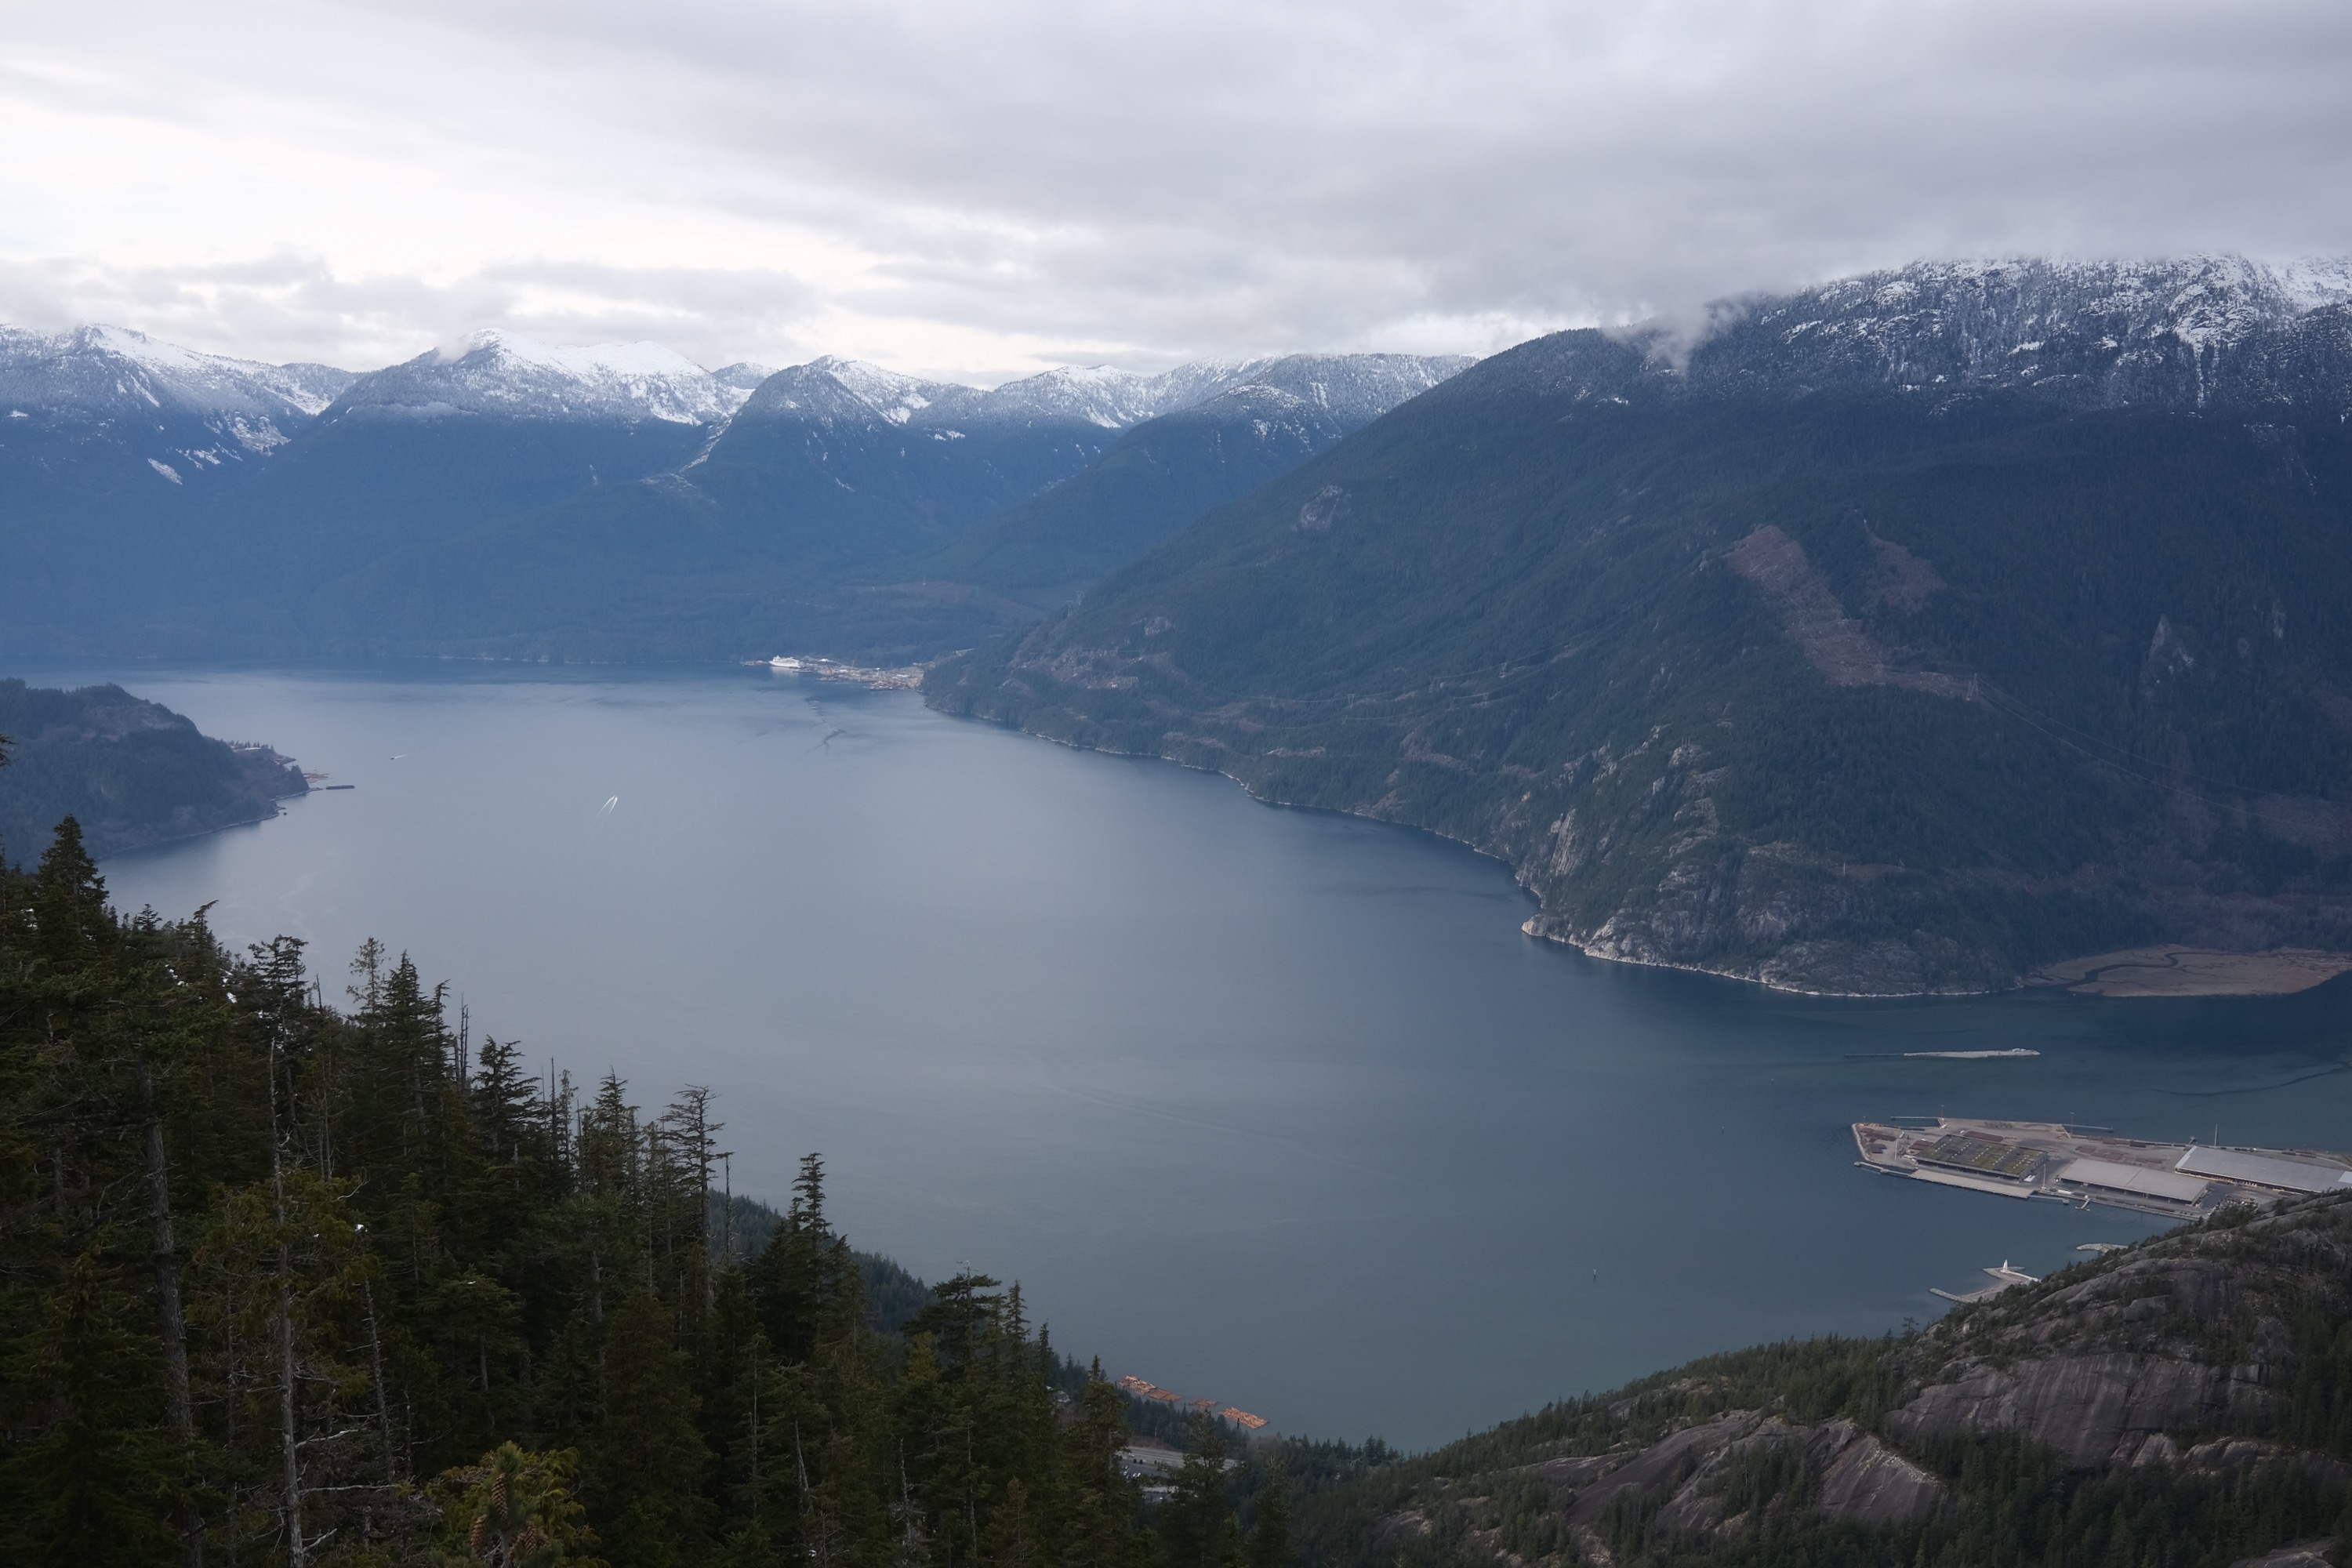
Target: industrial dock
[[2092, 1165]]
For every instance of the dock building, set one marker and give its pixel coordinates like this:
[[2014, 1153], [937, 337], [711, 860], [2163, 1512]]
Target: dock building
[[2053, 1160]]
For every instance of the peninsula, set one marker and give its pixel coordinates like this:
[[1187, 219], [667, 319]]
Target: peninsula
[[130, 772]]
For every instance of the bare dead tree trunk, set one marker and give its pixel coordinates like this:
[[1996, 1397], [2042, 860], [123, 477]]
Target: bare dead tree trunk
[[179, 1408], [291, 1480], [289, 1454], [375, 1367], [596, 1311], [755, 1436]]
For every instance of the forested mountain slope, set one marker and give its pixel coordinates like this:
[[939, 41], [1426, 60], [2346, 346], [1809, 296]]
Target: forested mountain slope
[[2186, 1404], [1902, 664], [281, 1282], [133, 771]]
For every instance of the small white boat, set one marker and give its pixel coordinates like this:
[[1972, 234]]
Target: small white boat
[[1973, 1056]]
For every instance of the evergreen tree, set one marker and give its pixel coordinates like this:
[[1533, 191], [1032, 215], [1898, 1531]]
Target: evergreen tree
[[94, 1488], [1196, 1525], [72, 930], [1269, 1535], [647, 1456], [1096, 1502]]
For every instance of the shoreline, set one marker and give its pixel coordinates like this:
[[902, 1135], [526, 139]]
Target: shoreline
[[2177, 969], [2199, 970]]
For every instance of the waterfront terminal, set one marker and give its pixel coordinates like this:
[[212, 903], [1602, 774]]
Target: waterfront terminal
[[2082, 1166]]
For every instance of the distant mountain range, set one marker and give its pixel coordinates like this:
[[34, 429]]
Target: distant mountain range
[[505, 496], [1895, 636]]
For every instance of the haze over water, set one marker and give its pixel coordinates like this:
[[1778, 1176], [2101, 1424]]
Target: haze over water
[[1273, 1106]]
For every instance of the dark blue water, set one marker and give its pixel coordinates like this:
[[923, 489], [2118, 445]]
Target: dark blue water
[[1265, 1105]]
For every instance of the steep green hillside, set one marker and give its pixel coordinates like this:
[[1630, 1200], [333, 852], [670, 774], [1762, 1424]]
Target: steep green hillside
[[284, 1283], [1857, 690], [131, 772], [2185, 1405]]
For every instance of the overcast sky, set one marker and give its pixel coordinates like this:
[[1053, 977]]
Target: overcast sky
[[986, 187]]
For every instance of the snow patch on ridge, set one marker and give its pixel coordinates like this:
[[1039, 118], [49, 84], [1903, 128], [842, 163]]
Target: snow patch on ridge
[[494, 371], [174, 400]]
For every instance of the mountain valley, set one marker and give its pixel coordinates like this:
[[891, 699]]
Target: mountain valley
[[507, 498]]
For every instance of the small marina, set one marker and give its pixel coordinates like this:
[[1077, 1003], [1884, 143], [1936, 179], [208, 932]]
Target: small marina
[[2082, 1166]]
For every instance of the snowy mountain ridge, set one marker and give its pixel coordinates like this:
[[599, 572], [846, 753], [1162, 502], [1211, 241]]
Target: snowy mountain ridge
[[181, 411], [1352, 389], [832, 389], [2204, 301], [2091, 331], [502, 373], [113, 371]]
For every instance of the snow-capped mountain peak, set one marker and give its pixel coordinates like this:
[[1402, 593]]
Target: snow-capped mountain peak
[[589, 361], [1355, 389], [98, 367], [503, 373], [1098, 394], [833, 388], [2316, 282], [2094, 331], [896, 398], [184, 412]]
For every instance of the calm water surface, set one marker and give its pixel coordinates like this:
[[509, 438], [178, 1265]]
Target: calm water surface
[[1267, 1105]]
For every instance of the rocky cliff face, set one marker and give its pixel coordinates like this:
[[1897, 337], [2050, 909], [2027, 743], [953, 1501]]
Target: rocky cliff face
[[2202, 1365]]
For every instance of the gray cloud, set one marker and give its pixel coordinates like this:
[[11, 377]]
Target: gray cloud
[[978, 190]]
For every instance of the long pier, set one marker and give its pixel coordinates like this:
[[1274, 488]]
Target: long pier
[[2082, 1166]]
